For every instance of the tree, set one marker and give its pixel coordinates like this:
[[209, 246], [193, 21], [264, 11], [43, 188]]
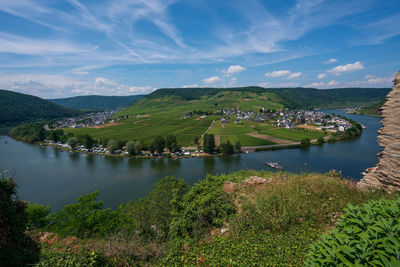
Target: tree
[[171, 143], [112, 145], [227, 148], [16, 247], [133, 147], [320, 140], [208, 143], [238, 146], [196, 140], [37, 215], [88, 141], [152, 148], [72, 142], [159, 144], [305, 142]]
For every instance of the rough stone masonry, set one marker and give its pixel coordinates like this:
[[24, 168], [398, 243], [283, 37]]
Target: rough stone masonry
[[386, 174]]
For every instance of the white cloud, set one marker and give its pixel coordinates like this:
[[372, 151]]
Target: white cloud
[[213, 79], [330, 61], [294, 75], [333, 83], [369, 76], [195, 85], [329, 84], [290, 84], [55, 86], [346, 68], [234, 69], [321, 76], [283, 73], [380, 80], [278, 73]]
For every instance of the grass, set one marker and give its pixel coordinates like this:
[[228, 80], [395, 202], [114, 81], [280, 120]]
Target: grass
[[292, 134], [277, 222], [271, 223]]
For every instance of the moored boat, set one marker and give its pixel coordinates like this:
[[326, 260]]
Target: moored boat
[[274, 165]]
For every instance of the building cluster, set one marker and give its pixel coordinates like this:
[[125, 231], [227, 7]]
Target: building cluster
[[288, 118], [87, 120]]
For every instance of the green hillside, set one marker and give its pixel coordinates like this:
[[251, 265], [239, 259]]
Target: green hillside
[[161, 113], [97, 102], [372, 110], [254, 97], [16, 108]]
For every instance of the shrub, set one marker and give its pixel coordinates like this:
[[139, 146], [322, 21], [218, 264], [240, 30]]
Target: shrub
[[365, 235], [37, 215], [86, 218]]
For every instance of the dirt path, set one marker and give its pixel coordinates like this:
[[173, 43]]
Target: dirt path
[[269, 138], [209, 128]]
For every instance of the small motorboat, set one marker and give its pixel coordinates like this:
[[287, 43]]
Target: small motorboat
[[274, 165]]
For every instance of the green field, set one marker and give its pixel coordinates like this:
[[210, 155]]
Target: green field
[[161, 114], [293, 134], [145, 129]]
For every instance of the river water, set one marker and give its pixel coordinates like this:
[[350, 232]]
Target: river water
[[48, 176]]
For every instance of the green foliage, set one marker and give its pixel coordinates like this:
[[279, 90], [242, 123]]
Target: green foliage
[[112, 145], [72, 142], [203, 207], [171, 143], [97, 102], [16, 247], [227, 148], [87, 141], [209, 143], [133, 147], [159, 144], [153, 214], [305, 142], [84, 219], [238, 146], [16, 108], [365, 235], [50, 258], [37, 215], [29, 132], [320, 140]]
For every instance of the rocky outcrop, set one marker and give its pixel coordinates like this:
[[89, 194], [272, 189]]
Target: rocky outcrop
[[386, 174]]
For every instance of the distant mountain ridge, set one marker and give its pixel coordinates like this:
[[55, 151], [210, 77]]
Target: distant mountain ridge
[[97, 102], [294, 98], [16, 108]]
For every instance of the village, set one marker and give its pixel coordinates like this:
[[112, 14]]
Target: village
[[87, 120], [284, 118]]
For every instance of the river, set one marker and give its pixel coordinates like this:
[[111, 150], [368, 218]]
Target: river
[[48, 176]]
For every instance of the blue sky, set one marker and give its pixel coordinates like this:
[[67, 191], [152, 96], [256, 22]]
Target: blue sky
[[52, 48]]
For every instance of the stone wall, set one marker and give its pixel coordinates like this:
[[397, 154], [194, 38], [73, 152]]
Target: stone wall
[[386, 174]]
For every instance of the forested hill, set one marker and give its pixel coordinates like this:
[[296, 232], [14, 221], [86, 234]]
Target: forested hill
[[16, 108], [296, 98], [97, 102]]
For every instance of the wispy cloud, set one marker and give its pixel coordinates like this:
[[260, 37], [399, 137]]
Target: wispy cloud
[[330, 61]]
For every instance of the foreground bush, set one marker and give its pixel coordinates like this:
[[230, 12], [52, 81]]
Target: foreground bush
[[16, 247], [365, 235]]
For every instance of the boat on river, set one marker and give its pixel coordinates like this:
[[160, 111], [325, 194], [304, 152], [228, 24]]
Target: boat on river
[[274, 165]]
